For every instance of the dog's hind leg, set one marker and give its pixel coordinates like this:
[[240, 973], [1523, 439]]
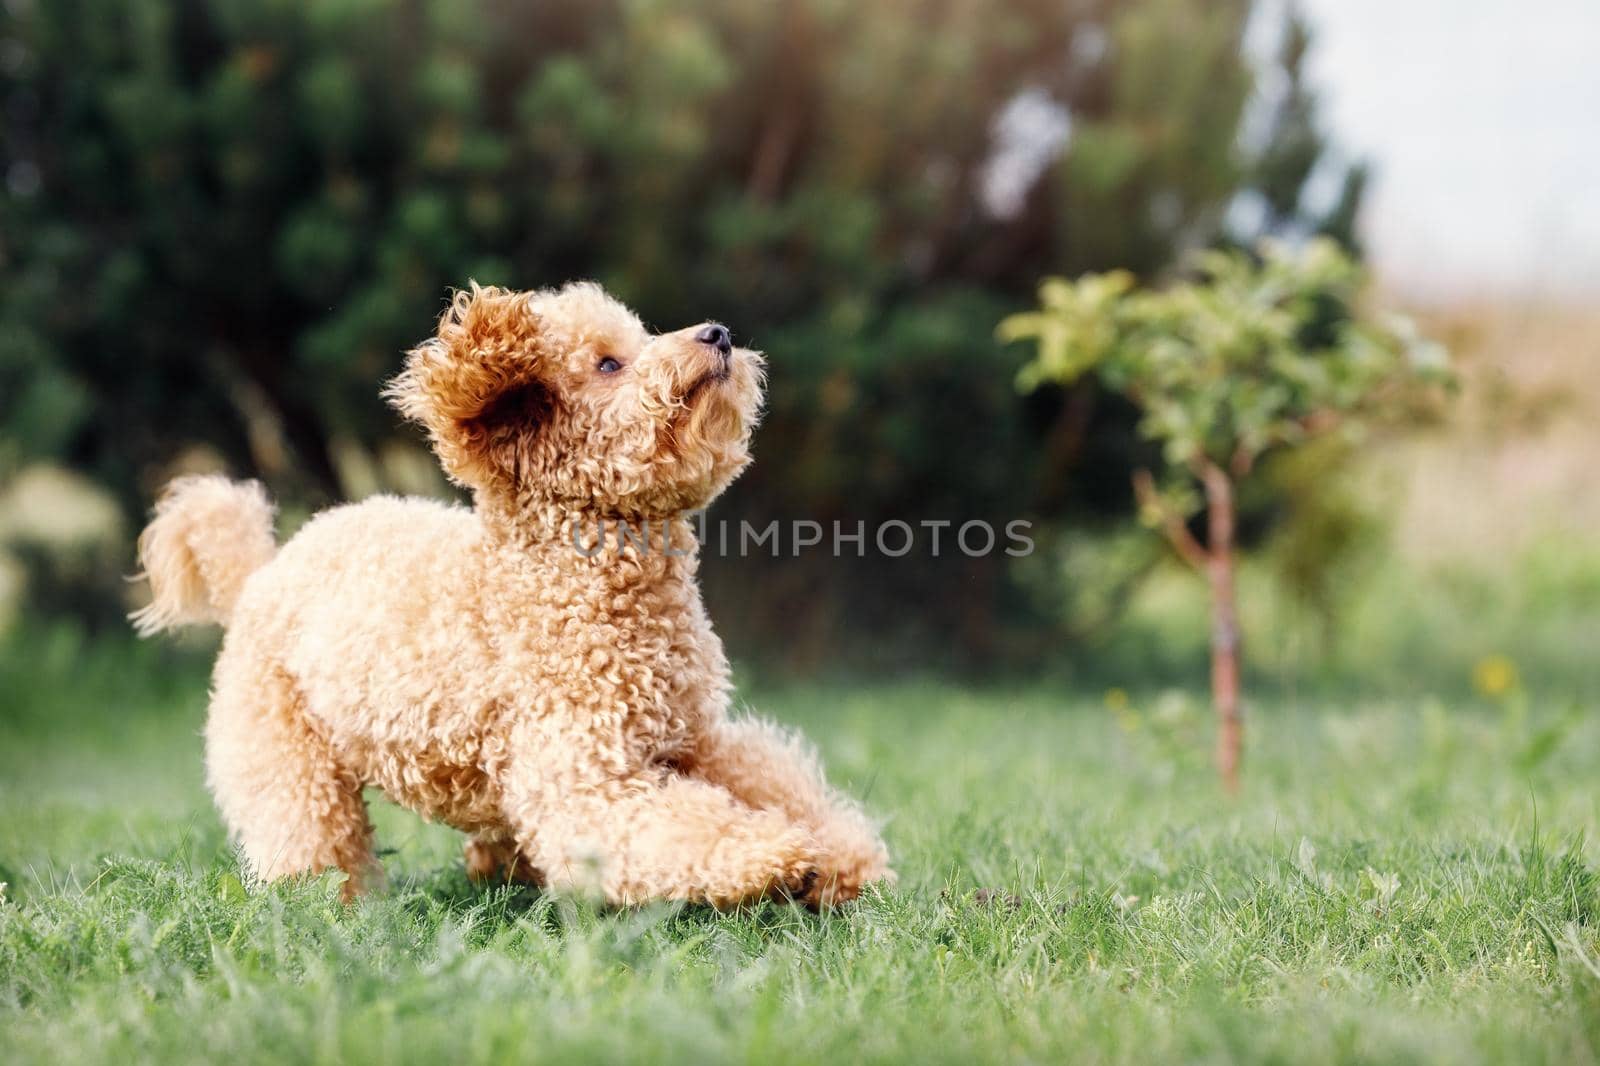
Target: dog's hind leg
[[281, 790], [494, 856]]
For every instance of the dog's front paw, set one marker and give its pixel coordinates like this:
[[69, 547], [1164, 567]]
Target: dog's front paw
[[797, 885], [852, 857], [799, 867], [771, 859], [838, 883]]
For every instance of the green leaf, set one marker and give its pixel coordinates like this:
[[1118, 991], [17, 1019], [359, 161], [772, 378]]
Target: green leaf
[[230, 889]]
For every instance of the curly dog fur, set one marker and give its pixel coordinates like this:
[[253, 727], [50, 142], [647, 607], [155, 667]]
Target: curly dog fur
[[567, 709]]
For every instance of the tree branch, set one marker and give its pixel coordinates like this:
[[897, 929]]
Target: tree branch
[[1242, 463], [1314, 424], [1172, 523]]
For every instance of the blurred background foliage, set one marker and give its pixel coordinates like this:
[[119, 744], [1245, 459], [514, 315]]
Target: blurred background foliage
[[225, 219]]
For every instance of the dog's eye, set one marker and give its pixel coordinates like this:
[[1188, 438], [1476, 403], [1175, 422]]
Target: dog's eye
[[608, 365]]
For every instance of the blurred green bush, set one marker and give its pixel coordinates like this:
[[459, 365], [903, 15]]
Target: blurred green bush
[[226, 219]]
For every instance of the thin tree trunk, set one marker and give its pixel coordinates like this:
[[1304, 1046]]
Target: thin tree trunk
[[1224, 623]]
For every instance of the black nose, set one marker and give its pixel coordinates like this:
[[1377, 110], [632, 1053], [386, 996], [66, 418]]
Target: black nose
[[717, 336]]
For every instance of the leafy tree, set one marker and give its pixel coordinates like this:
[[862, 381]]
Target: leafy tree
[[1244, 357]]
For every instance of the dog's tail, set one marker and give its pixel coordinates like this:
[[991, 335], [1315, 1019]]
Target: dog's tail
[[208, 535]]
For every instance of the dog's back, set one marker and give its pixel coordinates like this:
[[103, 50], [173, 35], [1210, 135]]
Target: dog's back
[[375, 611], [375, 606]]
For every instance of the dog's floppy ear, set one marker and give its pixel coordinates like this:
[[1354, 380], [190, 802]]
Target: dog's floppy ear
[[475, 386]]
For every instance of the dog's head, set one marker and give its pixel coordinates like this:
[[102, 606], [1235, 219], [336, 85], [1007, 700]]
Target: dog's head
[[563, 397]]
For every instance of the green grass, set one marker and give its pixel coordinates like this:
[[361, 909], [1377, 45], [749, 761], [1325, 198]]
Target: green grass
[[1400, 881]]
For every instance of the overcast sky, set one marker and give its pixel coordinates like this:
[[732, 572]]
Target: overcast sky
[[1482, 121]]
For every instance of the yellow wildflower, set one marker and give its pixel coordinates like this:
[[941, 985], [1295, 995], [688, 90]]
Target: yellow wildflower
[[1494, 675]]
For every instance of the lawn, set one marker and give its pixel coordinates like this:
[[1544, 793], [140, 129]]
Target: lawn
[[1403, 878]]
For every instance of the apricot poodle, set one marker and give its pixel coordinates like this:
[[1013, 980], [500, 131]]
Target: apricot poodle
[[566, 707]]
